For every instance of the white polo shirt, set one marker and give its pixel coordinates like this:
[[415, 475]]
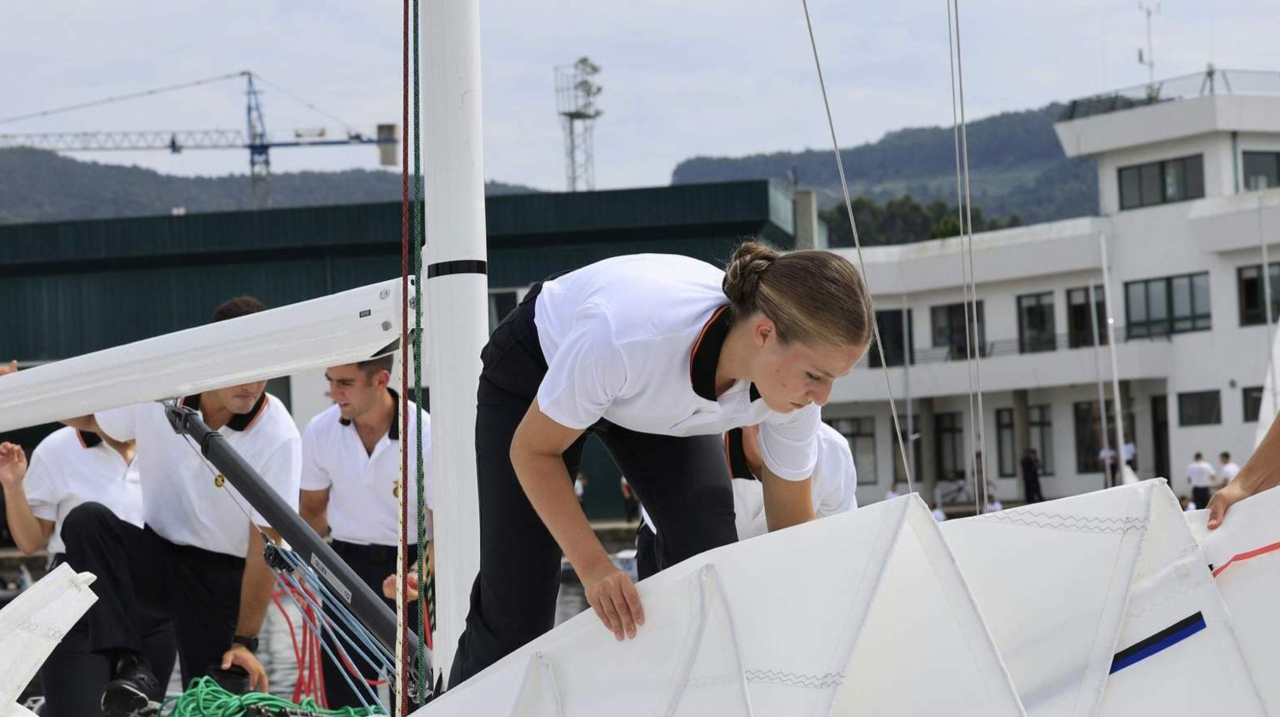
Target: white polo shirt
[[364, 493], [1201, 474], [69, 468], [1229, 471], [635, 340], [180, 499]]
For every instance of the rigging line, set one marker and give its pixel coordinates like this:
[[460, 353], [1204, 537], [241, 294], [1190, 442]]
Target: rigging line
[[972, 459], [286, 581], [973, 279], [419, 245], [862, 265], [402, 551], [121, 98], [306, 103], [361, 640]]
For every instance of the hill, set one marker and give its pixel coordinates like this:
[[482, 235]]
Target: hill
[[36, 186], [1016, 166]]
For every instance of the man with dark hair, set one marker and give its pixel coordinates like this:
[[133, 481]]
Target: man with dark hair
[[351, 486], [1031, 477], [198, 562], [1201, 476], [237, 307]]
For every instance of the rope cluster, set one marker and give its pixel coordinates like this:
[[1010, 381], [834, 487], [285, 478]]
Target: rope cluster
[[204, 697]]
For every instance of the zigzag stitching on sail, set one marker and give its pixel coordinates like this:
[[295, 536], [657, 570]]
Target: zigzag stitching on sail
[[796, 679], [1073, 523]]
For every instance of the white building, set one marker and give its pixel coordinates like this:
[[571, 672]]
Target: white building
[[1184, 206]]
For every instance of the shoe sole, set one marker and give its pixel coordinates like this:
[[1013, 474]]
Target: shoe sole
[[122, 699]]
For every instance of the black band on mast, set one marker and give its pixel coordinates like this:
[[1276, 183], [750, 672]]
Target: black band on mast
[[461, 266]]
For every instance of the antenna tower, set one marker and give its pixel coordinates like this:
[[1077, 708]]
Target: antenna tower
[[576, 93]]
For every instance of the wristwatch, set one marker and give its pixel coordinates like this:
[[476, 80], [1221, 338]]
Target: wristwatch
[[250, 642]]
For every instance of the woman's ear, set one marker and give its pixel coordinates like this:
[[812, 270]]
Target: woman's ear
[[763, 329]]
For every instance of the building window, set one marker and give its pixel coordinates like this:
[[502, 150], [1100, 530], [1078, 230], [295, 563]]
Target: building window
[[1040, 435], [913, 440], [1261, 170], [1200, 408], [898, 342], [861, 434], [949, 430], [1170, 305], [1035, 323], [1089, 439], [1173, 180], [501, 303], [1079, 323], [1006, 460], [949, 329], [1252, 403], [1252, 294]]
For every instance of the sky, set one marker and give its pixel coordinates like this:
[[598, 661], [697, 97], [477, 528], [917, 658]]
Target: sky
[[680, 78]]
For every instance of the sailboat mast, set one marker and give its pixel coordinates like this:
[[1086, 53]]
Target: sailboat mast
[[457, 294]]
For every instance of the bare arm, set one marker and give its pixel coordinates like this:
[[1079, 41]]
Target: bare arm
[[537, 455], [314, 508], [255, 595], [786, 502], [1260, 473], [30, 533]]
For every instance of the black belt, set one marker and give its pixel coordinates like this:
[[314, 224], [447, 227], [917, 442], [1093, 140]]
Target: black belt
[[368, 553]]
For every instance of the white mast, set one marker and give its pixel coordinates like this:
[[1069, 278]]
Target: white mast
[[1115, 369], [454, 262]]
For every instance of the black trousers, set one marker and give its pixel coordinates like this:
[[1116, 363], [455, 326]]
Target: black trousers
[[683, 482], [74, 676], [646, 552], [145, 585], [1200, 496], [1031, 489], [373, 563]]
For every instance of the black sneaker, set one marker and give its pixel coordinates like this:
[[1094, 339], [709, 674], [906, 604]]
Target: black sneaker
[[129, 694]]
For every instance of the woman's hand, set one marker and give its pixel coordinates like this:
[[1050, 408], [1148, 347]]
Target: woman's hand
[[614, 597], [1233, 493]]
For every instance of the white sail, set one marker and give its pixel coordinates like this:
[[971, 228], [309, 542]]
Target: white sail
[[1244, 554], [342, 328], [33, 624], [1101, 605], [860, 613], [1267, 410]]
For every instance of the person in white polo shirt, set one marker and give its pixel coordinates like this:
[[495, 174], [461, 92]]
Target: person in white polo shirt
[[658, 356], [351, 487], [1228, 471], [834, 486], [198, 562], [67, 469], [1201, 476]]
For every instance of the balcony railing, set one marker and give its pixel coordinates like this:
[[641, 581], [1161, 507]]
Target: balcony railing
[[1023, 345], [1210, 82]]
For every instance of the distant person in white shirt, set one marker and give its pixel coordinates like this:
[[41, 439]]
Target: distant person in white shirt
[[1201, 476], [939, 514], [198, 563], [994, 505], [351, 489], [580, 487], [893, 491], [1228, 471], [67, 469], [1129, 452]]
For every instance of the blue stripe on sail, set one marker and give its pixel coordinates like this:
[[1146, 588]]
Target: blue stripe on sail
[[1158, 642]]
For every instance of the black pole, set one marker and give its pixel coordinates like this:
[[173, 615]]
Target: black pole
[[363, 603]]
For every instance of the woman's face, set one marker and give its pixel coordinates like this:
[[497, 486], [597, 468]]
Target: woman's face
[[792, 376]]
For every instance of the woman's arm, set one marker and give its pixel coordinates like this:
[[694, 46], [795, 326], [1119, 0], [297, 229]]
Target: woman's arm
[[537, 451], [786, 502], [1261, 472]]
